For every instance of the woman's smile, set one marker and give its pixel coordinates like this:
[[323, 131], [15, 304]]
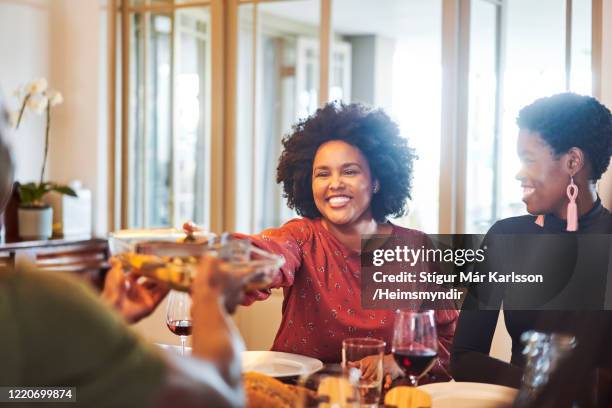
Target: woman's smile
[[341, 183], [543, 174], [338, 201], [527, 192]]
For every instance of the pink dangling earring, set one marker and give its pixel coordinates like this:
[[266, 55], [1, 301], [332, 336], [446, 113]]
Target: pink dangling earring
[[572, 208]]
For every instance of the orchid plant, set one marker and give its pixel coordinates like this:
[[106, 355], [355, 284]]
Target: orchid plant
[[37, 98]]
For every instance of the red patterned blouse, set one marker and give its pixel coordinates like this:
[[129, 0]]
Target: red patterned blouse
[[322, 293]]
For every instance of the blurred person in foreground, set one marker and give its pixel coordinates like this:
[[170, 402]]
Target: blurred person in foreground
[[56, 332]]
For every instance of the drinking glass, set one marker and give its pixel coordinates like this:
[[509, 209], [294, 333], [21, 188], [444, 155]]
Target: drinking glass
[[365, 354], [331, 386], [176, 263], [178, 317], [415, 343], [544, 353]]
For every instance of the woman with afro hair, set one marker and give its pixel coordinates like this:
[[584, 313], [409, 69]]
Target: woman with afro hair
[[564, 144], [344, 170]]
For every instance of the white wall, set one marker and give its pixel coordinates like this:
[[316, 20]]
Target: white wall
[[65, 42], [79, 148], [24, 55]]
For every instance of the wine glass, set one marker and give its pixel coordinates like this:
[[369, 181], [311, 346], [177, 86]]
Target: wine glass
[[178, 317], [415, 343]]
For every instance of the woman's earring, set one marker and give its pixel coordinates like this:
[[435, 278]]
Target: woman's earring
[[375, 189], [572, 208]]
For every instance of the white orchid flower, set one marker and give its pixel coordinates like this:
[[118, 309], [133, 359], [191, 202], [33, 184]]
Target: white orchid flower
[[55, 98], [37, 86], [38, 104]]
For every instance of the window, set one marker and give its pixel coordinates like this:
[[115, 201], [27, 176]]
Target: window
[[537, 55], [278, 83], [482, 171], [396, 65], [169, 115], [387, 56]]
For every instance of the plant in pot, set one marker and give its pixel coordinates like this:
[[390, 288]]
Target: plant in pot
[[35, 217]]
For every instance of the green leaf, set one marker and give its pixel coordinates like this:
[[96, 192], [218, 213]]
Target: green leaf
[[31, 193], [25, 195], [42, 189], [64, 190]]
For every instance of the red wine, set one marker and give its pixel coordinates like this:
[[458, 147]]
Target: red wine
[[180, 327], [415, 362]]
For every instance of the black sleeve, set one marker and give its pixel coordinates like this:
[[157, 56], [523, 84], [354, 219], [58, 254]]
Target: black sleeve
[[470, 360]]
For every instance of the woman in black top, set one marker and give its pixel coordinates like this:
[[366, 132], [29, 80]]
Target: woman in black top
[[562, 138]]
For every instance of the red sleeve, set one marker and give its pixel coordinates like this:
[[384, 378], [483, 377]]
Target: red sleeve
[[286, 241]]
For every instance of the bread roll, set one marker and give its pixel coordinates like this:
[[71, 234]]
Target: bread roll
[[408, 397]]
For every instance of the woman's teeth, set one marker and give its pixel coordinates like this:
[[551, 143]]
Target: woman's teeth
[[338, 201]]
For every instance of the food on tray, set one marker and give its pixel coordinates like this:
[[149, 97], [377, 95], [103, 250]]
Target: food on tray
[[190, 229], [408, 397], [176, 271], [263, 391], [176, 261]]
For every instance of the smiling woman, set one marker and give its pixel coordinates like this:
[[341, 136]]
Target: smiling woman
[[345, 169], [564, 145], [564, 139], [342, 185]]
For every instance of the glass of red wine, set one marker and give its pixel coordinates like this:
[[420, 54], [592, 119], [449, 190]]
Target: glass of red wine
[[415, 343], [178, 318]]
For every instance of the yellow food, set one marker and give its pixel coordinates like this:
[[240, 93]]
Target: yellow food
[[339, 391], [408, 397], [175, 271], [136, 261], [263, 391]]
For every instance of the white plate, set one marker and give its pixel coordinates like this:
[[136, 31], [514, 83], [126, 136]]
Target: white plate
[[278, 364], [469, 395], [170, 348], [272, 363], [126, 240]]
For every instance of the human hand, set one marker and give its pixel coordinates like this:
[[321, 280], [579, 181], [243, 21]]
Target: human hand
[[369, 366], [215, 338], [133, 296], [391, 368]]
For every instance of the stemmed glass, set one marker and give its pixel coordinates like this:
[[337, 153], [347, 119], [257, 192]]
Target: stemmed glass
[[178, 317], [415, 343]]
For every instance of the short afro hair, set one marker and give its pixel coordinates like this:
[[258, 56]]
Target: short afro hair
[[569, 120], [372, 132]]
